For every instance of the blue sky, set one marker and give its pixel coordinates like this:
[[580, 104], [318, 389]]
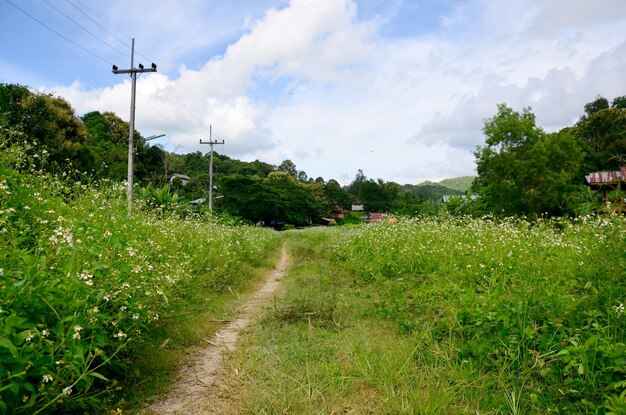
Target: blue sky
[[397, 88]]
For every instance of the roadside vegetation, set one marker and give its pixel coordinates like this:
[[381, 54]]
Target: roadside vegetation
[[86, 289], [445, 315]]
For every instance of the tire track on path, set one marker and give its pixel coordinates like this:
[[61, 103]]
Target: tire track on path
[[200, 388]]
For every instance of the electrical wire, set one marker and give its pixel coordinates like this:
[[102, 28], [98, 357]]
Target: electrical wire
[[183, 102], [176, 127], [58, 34], [191, 123], [82, 27], [200, 123], [137, 51], [123, 42]]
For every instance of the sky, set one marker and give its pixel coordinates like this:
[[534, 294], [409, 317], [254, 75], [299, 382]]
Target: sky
[[397, 88]]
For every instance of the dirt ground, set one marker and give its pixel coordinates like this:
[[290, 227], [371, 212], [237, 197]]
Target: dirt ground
[[201, 387]]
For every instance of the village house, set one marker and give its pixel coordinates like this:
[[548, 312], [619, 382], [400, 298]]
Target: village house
[[182, 177], [606, 182]]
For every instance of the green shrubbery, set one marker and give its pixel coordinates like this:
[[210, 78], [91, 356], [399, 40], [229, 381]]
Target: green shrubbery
[[81, 281], [538, 306]]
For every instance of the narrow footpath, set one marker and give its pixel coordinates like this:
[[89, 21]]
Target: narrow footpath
[[200, 388]]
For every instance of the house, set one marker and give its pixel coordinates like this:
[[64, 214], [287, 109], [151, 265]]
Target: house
[[198, 202], [338, 213], [182, 177], [607, 181], [376, 217]]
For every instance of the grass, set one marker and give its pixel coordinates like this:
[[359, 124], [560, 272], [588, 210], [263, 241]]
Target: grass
[[449, 315], [323, 348]]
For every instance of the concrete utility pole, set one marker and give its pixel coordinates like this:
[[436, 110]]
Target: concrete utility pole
[[131, 128], [211, 143]]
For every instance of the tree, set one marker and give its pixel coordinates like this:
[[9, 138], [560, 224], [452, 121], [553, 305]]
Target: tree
[[288, 166], [599, 104], [355, 187], [619, 103], [603, 135], [109, 144], [279, 196], [335, 195], [302, 176], [522, 170], [51, 122]]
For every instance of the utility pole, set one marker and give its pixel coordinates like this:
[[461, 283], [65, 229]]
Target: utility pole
[[211, 143], [131, 128]]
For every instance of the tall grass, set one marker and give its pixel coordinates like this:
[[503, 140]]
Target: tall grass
[[446, 315], [82, 283]]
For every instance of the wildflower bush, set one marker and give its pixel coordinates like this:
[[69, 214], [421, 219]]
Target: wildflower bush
[[532, 308], [81, 281]]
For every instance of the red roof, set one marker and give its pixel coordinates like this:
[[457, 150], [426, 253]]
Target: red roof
[[377, 216], [606, 177]]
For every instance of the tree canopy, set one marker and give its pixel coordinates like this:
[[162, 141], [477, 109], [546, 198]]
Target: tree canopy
[[522, 169]]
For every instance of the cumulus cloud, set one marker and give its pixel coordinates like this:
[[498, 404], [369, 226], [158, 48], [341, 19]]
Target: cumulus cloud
[[312, 81], [557, 100]]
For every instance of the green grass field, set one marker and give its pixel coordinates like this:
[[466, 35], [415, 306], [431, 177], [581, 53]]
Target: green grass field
[[450, 316]]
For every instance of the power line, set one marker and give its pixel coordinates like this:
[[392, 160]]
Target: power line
[[110, 25], [82, 27], [58, 34], [191, 123], [183, 102], [176, 127], [168, 85], [199, 124], [102, 27]]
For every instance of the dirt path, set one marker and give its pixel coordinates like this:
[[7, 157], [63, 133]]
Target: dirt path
[[200, 388]]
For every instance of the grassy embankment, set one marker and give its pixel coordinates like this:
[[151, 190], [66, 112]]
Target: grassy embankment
[[445, 316], [88, 295]]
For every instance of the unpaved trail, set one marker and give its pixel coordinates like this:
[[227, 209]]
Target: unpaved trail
[[201, 388]]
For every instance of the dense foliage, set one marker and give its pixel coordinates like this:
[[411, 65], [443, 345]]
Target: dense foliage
[[82, 282], [523, 170]]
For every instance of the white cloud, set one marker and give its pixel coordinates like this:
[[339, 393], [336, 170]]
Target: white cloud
[[312, 83], [556, 99]]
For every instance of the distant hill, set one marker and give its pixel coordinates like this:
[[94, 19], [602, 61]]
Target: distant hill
[[458, 183], [434, 191], [429, 190]]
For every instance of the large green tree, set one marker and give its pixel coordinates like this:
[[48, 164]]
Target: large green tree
[[523, 170], [602, 131], [277, 197], [50, 122]]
